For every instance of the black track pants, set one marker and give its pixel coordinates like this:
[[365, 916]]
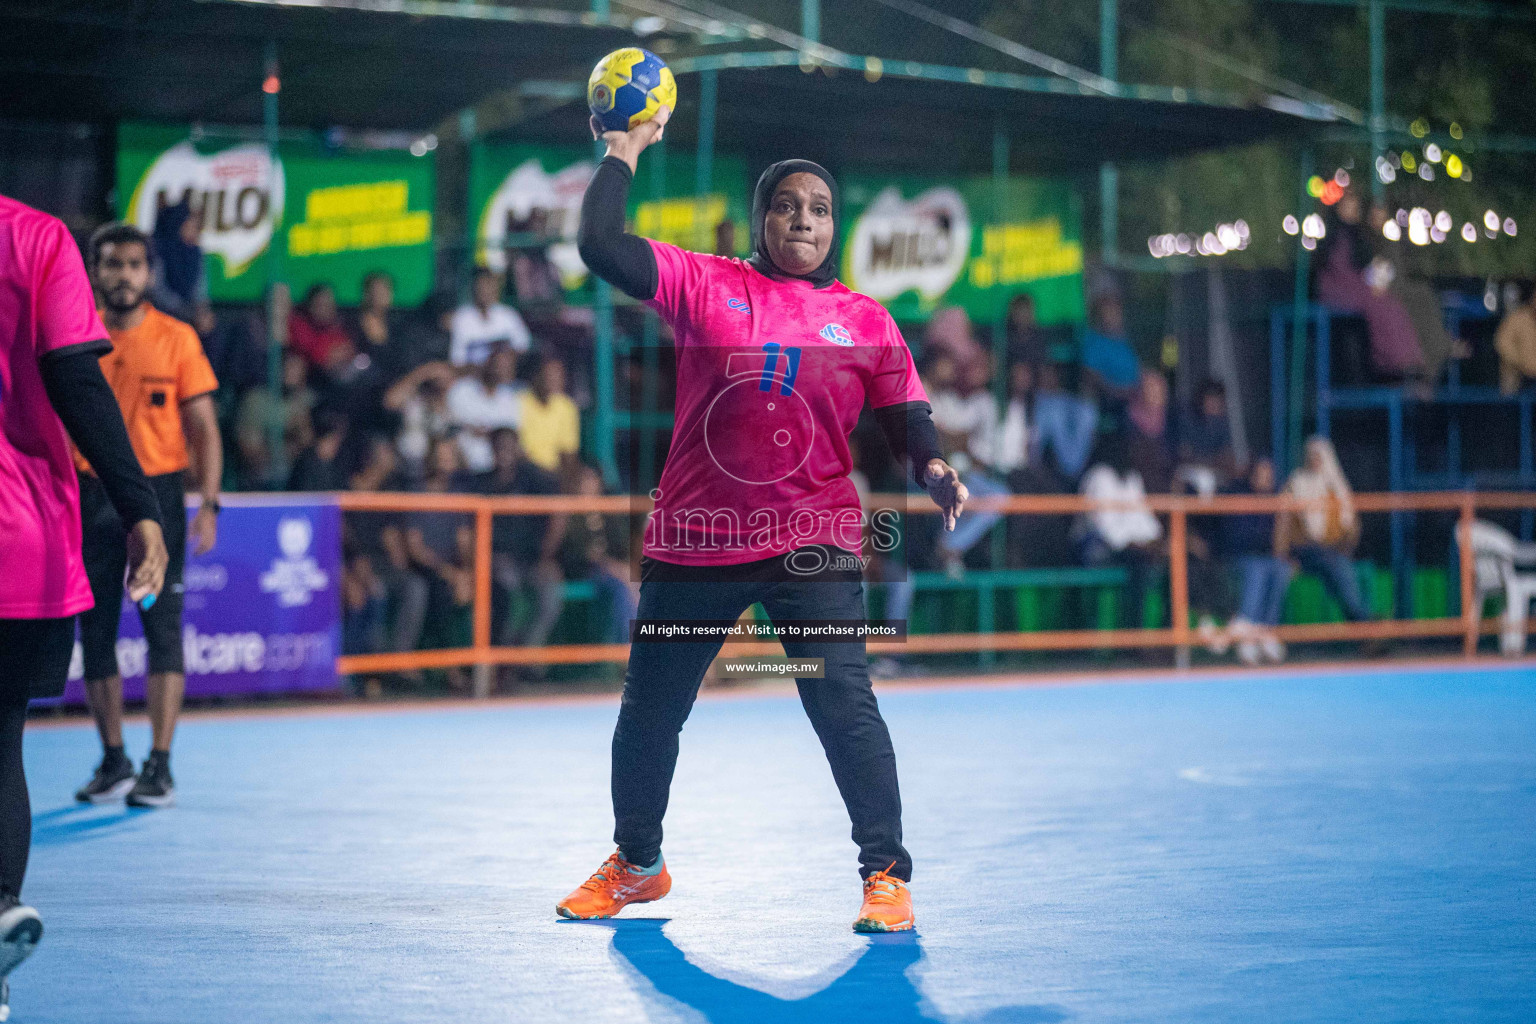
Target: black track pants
[[663, 679]]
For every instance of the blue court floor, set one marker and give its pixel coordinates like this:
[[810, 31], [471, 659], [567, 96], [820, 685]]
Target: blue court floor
[[1282, 848]]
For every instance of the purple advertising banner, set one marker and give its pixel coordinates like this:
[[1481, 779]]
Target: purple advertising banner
[[263, 608]]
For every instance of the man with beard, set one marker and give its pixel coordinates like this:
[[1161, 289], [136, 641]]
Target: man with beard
[[164, 387]]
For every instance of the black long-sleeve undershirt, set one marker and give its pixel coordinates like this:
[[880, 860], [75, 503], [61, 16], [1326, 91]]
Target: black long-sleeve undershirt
[[909, 431], [80, 395], [623, 260]]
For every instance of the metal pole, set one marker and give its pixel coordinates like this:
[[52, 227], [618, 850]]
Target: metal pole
[[999, 542], [810, 20], [277, 308], [1109, 174], [1298, 382], [1378, 96]]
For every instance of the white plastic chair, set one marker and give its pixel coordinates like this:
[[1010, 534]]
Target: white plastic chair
[[1503, 563]]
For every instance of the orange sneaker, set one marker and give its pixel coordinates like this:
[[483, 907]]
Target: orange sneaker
[[887, 905], [613, 887]]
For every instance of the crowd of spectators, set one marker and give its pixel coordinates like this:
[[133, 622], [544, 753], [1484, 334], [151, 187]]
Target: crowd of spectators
[[466, 398], [1097, 421]]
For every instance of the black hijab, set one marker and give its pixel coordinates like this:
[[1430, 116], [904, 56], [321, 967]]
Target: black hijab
[[762, 196]]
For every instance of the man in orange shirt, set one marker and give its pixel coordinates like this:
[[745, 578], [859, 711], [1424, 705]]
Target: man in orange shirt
[[164, 386]]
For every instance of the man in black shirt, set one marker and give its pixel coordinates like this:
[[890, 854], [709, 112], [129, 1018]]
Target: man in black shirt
[[523, 547]]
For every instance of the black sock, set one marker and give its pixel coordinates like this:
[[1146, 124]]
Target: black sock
[[115, 755], [160, 757]]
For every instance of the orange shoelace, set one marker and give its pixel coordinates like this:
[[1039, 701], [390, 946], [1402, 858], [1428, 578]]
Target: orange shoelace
[[611, 869], [882, 888]]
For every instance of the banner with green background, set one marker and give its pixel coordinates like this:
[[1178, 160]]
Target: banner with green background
[[531, 192], [919, 243], [337, 214]]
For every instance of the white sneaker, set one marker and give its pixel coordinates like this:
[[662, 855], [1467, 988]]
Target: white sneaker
[[1248, 652], [1272, 648], [1213, 636]]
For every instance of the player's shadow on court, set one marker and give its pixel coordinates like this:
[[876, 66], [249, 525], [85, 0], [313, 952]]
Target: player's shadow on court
[[74, 823], [876, 988]]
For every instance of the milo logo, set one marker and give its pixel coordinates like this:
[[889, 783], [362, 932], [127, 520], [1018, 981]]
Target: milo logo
[[901, 245], [237, 192]]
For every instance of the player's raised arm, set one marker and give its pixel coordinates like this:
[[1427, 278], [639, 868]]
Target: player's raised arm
[[623, 260]]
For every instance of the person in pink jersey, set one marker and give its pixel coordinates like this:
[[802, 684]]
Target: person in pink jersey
[[776, 359], [50, 338]]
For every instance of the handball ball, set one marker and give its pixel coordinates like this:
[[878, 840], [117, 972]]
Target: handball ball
[[627, 88]]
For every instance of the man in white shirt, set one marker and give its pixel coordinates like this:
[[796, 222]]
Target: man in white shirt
[[484, 401], [484, 322]]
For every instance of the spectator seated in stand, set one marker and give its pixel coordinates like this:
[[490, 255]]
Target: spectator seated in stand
[[316, 333], [484, 400], [1515, 342], [1111, 368], [1207, 459], [1207, 463], [1028, 342], [550, 424], [597, 548], [365, 597], [1124, 532], [440, 549], [1248, 543], [179, 283], [485, 322], [965, 416], [420, 400], [327, 462], [1348, 278], [379, 539], [1066, 428], [261, 416], [1148, 444], [949, 333], [524, 548], [1323, 535], [1031, 539], [385, 353]]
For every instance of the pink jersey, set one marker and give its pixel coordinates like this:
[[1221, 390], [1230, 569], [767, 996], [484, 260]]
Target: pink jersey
[[771, 377], [45, 306]]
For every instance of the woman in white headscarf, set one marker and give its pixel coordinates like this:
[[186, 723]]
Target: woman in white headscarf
[[1322, 535]]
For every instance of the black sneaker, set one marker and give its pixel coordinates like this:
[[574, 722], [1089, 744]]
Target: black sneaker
[[113, 779], [154, 787], [20, 928]]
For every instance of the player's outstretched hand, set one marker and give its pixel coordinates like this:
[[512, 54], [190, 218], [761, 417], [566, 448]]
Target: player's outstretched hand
[[628, 146], [147, 559], [946, 490]]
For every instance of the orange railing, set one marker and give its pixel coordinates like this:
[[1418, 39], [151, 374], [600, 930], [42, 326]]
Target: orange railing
[[482, 655]]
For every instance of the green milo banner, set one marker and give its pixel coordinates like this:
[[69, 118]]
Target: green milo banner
[[335, 215], [916, 244], [523, 193]]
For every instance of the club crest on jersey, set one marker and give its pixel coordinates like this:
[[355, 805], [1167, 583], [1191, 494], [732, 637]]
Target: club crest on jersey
[[837, 334], [739, 305]]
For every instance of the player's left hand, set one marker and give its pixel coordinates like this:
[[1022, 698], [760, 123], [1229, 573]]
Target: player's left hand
[[204, 530], [946, 490]]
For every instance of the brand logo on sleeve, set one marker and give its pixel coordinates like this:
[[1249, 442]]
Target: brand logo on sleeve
[[837, 334], [739, 305]]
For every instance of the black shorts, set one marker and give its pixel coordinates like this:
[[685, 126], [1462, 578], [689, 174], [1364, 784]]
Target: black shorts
[[104, 545], [34, 656]]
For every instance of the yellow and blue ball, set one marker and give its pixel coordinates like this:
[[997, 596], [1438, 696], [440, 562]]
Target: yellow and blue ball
[[627, 88]]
